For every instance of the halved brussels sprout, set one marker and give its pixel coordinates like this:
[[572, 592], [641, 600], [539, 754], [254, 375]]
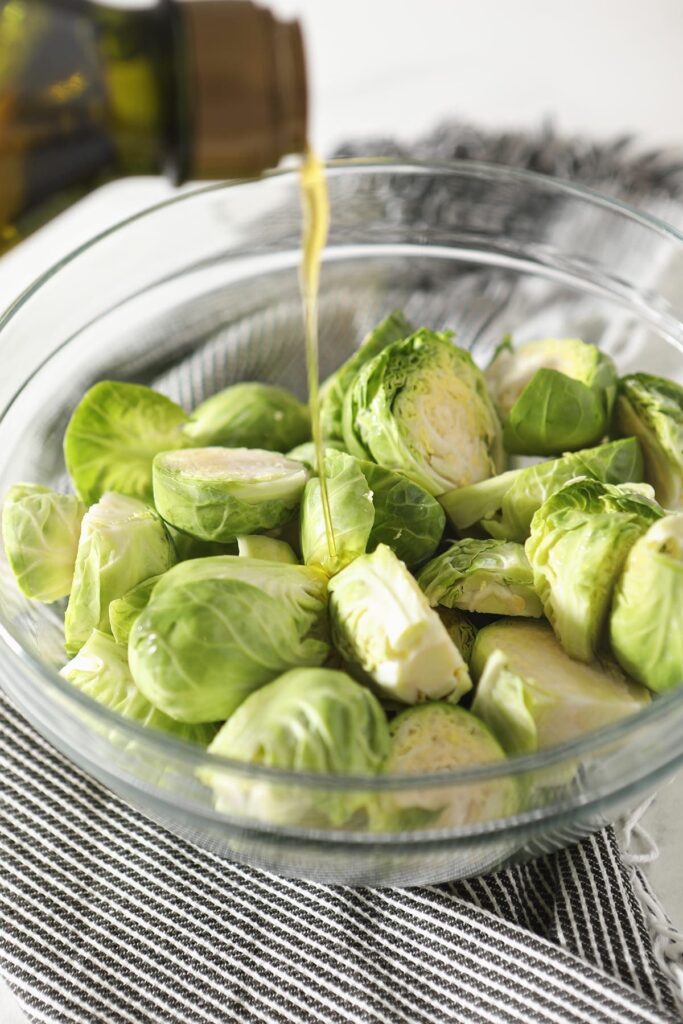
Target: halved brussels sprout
[[250, 415], [313, 720], [101, 670], [504, 505], [123, 611], [114, 433], [553, 396], [439, 737], [273, 550], [460, 629], [533, 695], [646, 624], [382, 622], [40, 531], [489, 576], [122, 542], [580, 538], [652, 409], [216, 629], [217, 494], [392, 328], [421, 407], [351, 512]]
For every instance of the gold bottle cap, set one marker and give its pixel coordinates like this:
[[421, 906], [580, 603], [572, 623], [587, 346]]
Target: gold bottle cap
[[247, 93]]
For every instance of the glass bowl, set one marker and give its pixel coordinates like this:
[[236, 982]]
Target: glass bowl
[[202, 291]]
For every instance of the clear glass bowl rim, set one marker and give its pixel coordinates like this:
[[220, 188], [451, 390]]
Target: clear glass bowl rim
[[196, 757]]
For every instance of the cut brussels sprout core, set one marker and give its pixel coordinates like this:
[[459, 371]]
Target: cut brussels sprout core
[[580, 538], [218, 494], [351, 511], [652, 409], [313, 720], [113, 435], [407, 405], [250, 415], [382, 622], [100, 669], [40, 531], [488, 576], [504, 505], [269, 548], [646, 623], [533, 695], [554, 395], [122, 542]]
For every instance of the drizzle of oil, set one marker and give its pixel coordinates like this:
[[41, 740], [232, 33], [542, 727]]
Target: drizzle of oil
[[316, 219]]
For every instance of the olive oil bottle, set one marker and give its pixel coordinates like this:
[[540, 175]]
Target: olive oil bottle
[[90, 92]]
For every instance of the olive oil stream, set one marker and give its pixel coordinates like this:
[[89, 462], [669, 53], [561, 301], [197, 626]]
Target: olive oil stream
[[316, 219]]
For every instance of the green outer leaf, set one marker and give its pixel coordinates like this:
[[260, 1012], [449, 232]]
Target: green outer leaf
[[646, 623], [200, 648], [100, 669], [113, 435], [492, 577], [652, 408], [351, 511], [123, 611], [306, 453], [40, 531], [429, 369], [460, 629], [580, 538], [407, 518], [393, 328], [250, 415], [554, 414]]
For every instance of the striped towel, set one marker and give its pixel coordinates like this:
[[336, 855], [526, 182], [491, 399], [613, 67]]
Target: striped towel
[[107, 918]]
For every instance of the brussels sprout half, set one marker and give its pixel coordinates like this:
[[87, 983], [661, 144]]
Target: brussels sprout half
[[122, 542], [532, 695], [580, 538], [100, 669], [554, 395], [488, 576], [217, 494], [421, 408], [313, 720], [646, 623], [351, 511], [382, 623], [504, 505], [250, 415], [652, 409], [40, 531], [113, 435]]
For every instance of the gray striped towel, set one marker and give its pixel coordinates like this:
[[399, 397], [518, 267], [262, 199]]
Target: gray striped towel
[[109, 919]]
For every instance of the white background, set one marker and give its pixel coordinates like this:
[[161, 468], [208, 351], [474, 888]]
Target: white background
[[380, 67]]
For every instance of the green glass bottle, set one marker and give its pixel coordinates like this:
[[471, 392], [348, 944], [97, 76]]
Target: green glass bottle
[[90, 92]]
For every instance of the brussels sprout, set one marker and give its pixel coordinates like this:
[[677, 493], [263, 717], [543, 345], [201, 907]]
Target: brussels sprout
[[217, 494], [351, 512], [100, 669], [652, 409], [381, 622], [553, 396], [218, 628], [392, 328], [306, 453], [40, 531], [580, 538], [460, 629], [504, 505], [123, 611], [312, 720], [113, 435], [439, 737], [250, 415], [421, 407], [532, 695], [122, 543], [273, 550], [646, 624], [489, 576]]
